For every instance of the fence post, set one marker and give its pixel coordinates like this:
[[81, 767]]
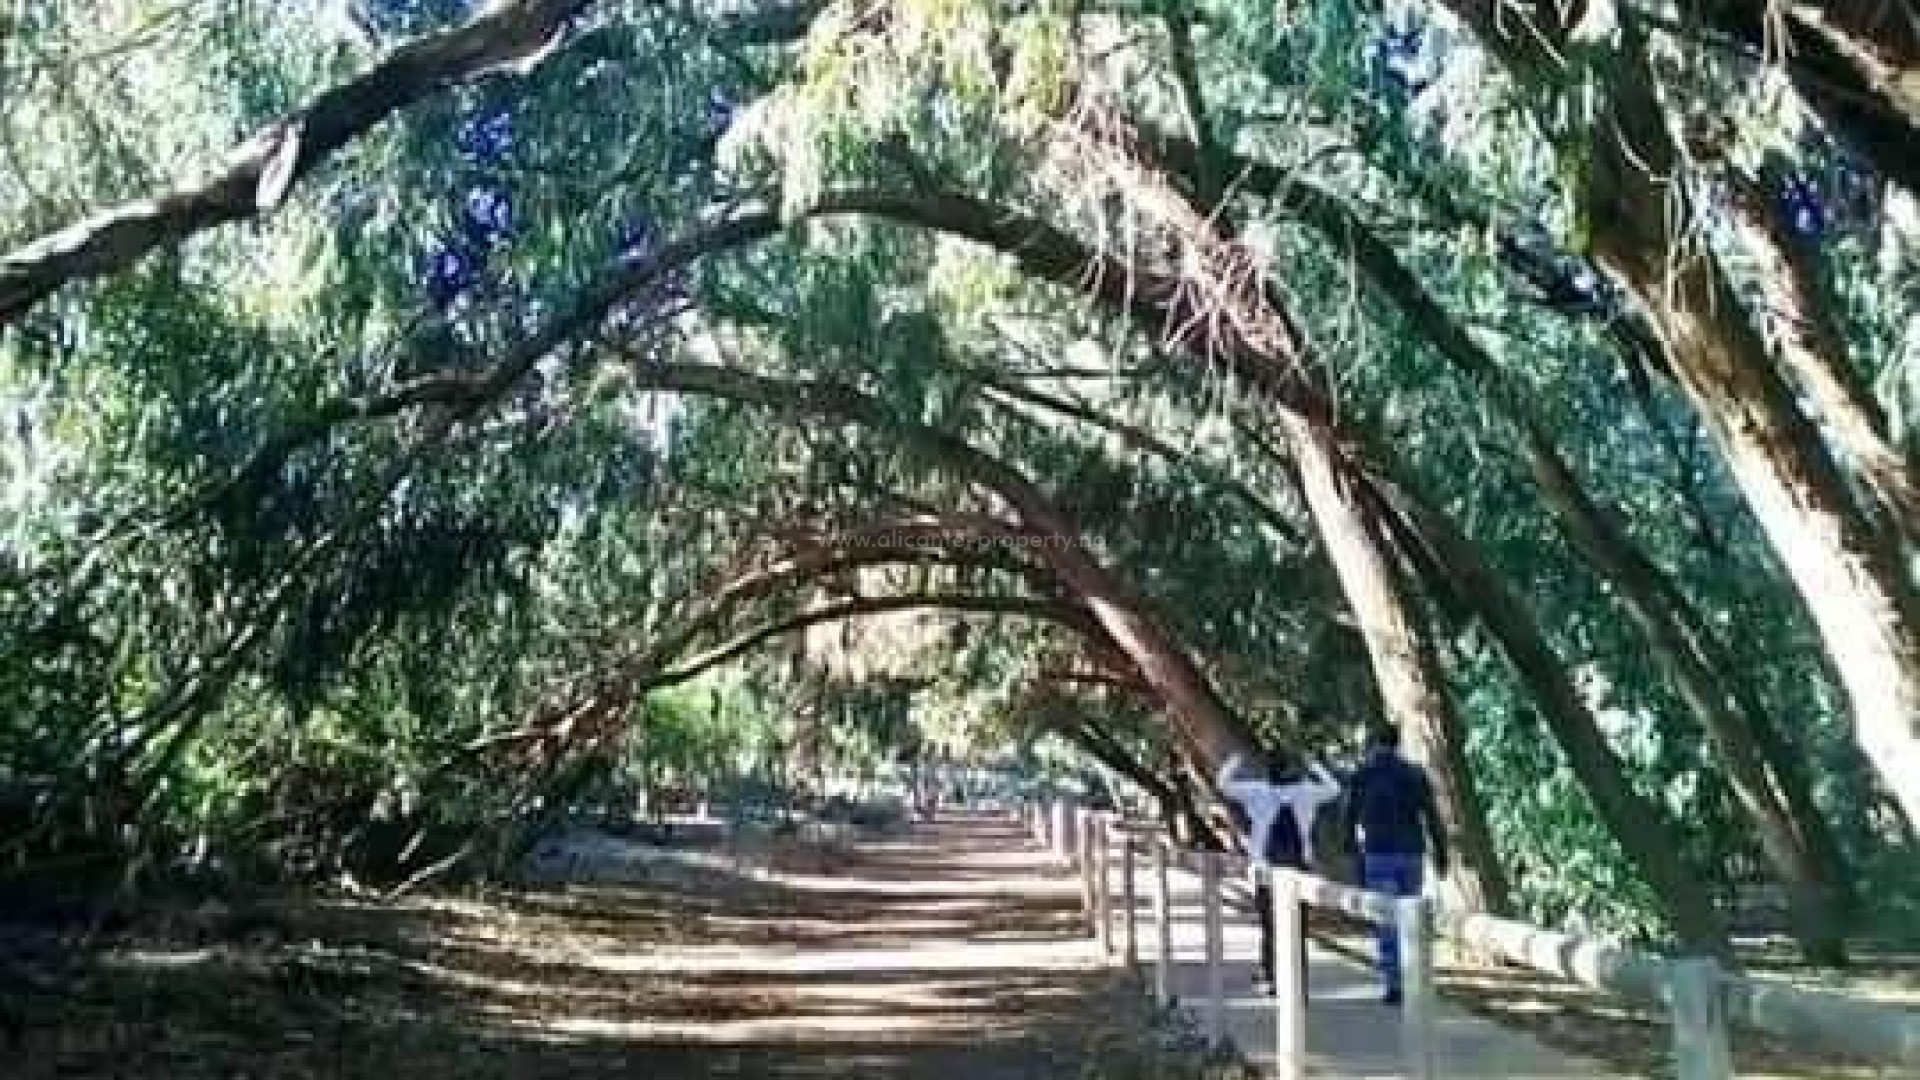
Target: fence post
[[1290, 976], [1413, 918], [1215, 1027], [1163, 921], [1103, 896], [1129, 899], [1700, 1049], [1084, 849]]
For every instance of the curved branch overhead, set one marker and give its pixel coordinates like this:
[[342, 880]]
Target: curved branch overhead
[[1845, 561], [255, 177], [972, 603], [1587, 470], [1855, 62]]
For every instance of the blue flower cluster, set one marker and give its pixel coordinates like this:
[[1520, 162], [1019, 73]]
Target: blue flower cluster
[[447, 271], [1399, 62], [1803, 207], [1830, 192], [484, 217], [403, 18], [486, 138], [719, 112], [454, 264], [637, 239]]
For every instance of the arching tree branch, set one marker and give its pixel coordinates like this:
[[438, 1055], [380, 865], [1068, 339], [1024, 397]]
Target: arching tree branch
[[255, 177]]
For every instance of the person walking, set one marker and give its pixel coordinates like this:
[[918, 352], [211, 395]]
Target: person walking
[[1390, 802], [1278, 811]]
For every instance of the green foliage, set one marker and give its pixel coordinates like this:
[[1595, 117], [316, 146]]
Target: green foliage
[[300, 643]]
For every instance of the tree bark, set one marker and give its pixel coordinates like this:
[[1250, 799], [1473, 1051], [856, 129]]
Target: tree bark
[[1814, 353], [1642, 829], [1846, 568], [1097, 744], [255, 177], [1794, 837], [1261, 347], [1412, 687], [1855, 62]]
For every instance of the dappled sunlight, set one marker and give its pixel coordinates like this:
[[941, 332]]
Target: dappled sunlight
[[958, 956], [895, 970], [801, 1027]]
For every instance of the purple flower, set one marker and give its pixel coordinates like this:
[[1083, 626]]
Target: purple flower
[[1803, 207], [719, 112], [486, 137], [449, 270], [486, 215], [636, 240]]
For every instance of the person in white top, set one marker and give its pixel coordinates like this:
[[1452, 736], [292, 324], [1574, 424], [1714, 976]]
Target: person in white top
[[1278, 811]]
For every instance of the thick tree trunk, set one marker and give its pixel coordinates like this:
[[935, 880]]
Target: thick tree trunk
[[1793, 836], [1412, 686], [1185, 821], [1103, 748], [1855, 62], [1643, 830], [1846, 568], [1814, 354], [1212, 732]]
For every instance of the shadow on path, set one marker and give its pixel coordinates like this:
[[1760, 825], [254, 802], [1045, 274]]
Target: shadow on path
[[953, 952]]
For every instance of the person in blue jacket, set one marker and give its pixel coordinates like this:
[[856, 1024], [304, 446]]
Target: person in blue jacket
[[1390, 801]]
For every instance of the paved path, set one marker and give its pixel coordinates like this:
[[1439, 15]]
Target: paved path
[[1350, 1034]]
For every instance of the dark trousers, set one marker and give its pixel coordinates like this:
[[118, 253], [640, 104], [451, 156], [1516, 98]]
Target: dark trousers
[[1269, 948]]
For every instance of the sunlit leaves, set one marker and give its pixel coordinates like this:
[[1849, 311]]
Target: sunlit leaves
[[573, 521]]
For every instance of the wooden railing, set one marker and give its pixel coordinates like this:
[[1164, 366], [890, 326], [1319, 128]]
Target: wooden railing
[[1705, 1002]]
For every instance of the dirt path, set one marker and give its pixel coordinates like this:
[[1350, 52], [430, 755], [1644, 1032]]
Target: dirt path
[[951, 953]]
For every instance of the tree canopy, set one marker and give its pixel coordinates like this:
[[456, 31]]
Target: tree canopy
[[421, 413]]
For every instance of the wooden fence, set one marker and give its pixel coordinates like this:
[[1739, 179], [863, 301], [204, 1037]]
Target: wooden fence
[[1705, 1003]]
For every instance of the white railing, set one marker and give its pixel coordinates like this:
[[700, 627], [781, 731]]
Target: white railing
[[1703, 1001]]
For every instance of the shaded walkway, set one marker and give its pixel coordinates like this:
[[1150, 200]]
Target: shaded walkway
[[1350, 1034], [956, 952], [953, 952]]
